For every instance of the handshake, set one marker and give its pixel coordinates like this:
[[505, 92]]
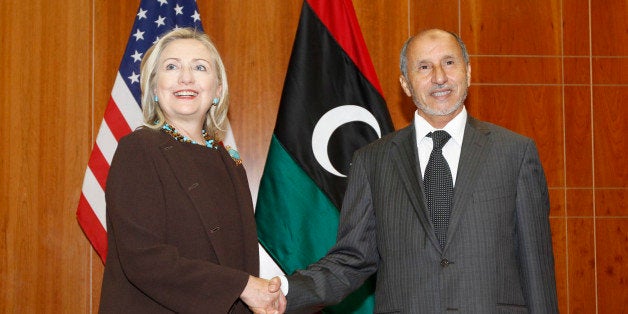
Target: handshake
[[264, 296]]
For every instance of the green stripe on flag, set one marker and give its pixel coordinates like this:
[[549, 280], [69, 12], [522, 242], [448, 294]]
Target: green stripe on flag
[[296, 222]]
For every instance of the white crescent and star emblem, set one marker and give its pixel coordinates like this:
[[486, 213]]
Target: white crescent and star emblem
[[332, 120]]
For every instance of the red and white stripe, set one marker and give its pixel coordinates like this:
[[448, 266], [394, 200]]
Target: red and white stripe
[[122, 115]]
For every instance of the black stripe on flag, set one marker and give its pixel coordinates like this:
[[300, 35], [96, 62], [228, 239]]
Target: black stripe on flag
[[320, 77]]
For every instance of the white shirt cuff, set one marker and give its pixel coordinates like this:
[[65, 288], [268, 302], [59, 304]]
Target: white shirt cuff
[[284, 284]]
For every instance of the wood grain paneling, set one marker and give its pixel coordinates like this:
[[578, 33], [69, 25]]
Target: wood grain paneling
[[426, 14], [558, 227], [581, 265], [577, 70], [607, 70], [610, 129], [580, 202], [578, 136], [612, 270], [611, 202], [59, 61], [557, 202], [506, 27], [575, 27], [46, 110], [609, 28], [516, 70]]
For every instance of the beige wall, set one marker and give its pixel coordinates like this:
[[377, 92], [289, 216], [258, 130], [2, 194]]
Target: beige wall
[[554, 70]]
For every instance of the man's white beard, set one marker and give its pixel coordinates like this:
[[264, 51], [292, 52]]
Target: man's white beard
[[445, 112]]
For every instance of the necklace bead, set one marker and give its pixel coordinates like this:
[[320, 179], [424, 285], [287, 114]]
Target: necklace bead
[[209, 142]]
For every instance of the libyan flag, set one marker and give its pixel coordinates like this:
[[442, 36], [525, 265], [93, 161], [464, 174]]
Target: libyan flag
[[331, 105]]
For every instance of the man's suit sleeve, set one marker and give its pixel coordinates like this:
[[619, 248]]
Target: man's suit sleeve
[[535, 239], [353, 258]]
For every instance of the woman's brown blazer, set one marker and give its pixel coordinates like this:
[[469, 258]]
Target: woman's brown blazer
[[180, 239]]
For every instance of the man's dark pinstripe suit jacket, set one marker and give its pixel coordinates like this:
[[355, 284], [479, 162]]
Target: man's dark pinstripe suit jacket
[[498, 257]]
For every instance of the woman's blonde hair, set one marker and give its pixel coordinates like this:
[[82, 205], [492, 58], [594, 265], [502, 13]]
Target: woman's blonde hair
[[216, 118]]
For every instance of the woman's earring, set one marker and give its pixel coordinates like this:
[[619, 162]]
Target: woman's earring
[[215, 101], [156, 99]]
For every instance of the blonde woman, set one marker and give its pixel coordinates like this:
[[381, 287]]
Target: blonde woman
[[181, 230]]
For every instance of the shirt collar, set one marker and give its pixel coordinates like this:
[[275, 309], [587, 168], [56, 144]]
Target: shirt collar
[[455, 127]]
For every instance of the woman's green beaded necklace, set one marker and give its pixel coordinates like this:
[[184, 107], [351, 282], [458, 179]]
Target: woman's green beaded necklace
[[209, 142]]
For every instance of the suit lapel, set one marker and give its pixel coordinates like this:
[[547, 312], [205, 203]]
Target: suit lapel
[[189, 177], [406, 161], [472, 156]]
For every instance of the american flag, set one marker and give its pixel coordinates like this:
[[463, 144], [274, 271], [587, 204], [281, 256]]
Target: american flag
[[123, 113]]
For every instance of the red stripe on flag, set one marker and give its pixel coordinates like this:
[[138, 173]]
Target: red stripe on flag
[[115, 120], [92, 227], [340, 19], [99, 166]]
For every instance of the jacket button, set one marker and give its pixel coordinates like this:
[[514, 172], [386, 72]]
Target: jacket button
[[444, 262]]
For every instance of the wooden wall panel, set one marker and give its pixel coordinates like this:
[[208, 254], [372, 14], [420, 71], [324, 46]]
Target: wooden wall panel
[[558, 227], [609, 27], [59, 61], [511, 27], [46, 94], [578, 127], [612, 272], [425, 14], [576, 40], [581, 258]]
